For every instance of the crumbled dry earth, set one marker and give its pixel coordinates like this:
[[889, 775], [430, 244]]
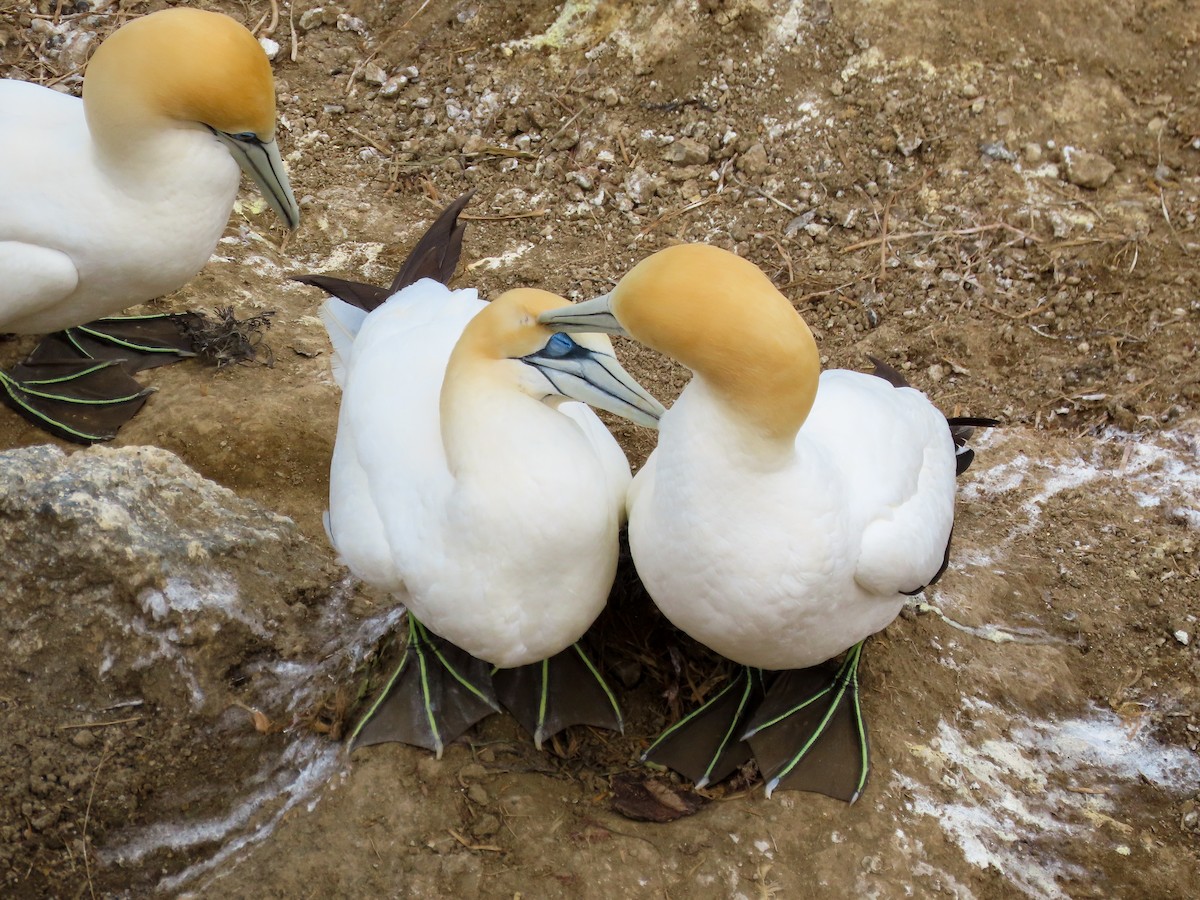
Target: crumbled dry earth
[[1000, 199]]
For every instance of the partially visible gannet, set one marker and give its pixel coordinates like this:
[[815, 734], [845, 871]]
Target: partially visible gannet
[[121, 197]]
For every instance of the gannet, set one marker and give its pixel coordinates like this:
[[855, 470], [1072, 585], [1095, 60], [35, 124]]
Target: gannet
[[121, 197], [465, 483], [783, 517]]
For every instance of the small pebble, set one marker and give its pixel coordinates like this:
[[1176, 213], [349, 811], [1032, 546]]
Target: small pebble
[[472, 770], [686, 152], [374, 74], [485, 826], [754, 161], [1183, 637], [997, 150], [1087, 170]]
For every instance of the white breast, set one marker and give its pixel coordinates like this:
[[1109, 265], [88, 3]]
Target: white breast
[[786, 565]]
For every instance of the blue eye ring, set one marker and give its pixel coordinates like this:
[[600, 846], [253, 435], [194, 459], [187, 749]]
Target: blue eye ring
[[248, 136], [559, 345]]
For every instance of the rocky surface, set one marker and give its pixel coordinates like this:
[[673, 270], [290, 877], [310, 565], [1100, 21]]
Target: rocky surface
[[153, 624]]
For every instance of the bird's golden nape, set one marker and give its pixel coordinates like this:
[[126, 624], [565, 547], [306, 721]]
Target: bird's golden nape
[[186, 65], [721, 316]]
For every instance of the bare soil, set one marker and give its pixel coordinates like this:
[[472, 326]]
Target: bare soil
[[1000, 199]]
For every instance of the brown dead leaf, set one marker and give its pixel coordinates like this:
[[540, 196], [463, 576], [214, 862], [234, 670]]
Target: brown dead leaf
[[645, 798]]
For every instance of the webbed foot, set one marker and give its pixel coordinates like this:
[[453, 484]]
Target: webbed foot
[[437, 692], [809, 734], [706, 745], [139, 342], [79, 400], [548, 696]]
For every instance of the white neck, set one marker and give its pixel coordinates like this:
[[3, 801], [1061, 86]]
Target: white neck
[[503, 441], [701, 425]]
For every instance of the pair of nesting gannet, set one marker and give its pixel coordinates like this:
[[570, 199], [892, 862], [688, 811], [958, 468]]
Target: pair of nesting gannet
[[783, 516], [466, 483], [120, 198], [781, 520]]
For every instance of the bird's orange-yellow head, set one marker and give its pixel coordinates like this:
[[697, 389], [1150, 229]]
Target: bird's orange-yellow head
[[506, 341], [720, 316], [187, 68], [188, 65]]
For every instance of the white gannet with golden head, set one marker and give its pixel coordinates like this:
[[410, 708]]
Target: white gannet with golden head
[[467, 483], [783, 516], [121, 197]]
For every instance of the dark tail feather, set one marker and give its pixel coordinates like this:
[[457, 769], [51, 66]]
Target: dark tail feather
[[887, 373], [972, 421], [435, 256], [961, 429], [356, 293], [437, 252]]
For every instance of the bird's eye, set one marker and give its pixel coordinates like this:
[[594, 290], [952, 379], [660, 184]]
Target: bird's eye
[[248, 136], [559, 346]]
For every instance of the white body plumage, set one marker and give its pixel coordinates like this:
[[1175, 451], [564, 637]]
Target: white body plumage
[[121, 197], [83, 233], [783, 561], [492, 515]]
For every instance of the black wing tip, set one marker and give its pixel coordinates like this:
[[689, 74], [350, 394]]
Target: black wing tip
[[435, 255], [973, 421], [888, 373], [366, 297], [437, 252]]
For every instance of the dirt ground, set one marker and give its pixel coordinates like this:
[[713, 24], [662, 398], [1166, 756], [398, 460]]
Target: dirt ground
[[1000, 199]]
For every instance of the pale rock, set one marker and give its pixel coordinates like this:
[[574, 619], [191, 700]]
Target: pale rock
[[754, 161], [1087, 170], [686, 152]]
